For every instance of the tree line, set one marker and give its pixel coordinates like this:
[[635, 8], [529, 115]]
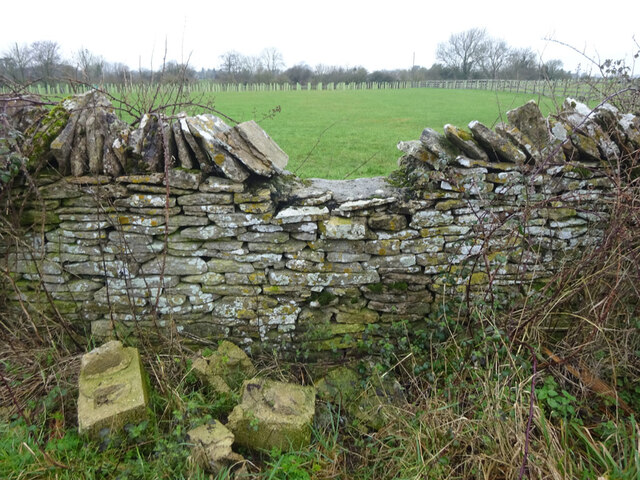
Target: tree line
[[465, 55]]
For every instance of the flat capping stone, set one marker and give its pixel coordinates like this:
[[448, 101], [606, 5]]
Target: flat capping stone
[[357, 189]]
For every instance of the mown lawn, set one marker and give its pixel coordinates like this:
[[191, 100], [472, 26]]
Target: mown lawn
[[354, 133]]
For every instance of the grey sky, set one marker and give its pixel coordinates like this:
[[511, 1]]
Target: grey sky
[[374, 34]]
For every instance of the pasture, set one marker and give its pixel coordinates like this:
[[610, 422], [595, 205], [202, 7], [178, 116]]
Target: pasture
[[339, 134]]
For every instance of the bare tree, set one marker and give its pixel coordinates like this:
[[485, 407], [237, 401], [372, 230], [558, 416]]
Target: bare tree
[[523, 64], [464, 50], [272, 60], [231, 64], [90, 66], [553, 69], [177, 73], [17, 61], [252, 64], [46, 57], [117, 73], [495, 57]]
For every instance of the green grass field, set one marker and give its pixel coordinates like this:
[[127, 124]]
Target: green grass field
[[353, 133]]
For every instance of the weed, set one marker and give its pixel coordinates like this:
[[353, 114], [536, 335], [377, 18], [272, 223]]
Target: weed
[[559, 403]]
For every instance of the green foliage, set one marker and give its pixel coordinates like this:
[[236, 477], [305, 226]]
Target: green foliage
[[11, 161], [323, 298], [290, 466], [558, 402], [400, 286], [616, 455], [375, 287]]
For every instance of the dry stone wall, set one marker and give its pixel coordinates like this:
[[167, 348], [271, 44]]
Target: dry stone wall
[[220, 242]]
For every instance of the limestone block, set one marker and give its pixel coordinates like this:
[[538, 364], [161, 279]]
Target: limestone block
[[235, 220], [137, 220], [437, 144], [183, 155], [363, 204], [285, 314], [386, 221], [206, 128], [403, 260], [383, 247], [219, 184], [310, 255], [202, 211], [182, 178], [429, 244], [364, 315], [496, 143], [233, 290], [243, 308], [464, 141], [253, 196], [211, 447], [112, 389], [301, 214], [340, 228], [225, 369], [269, 237], [208, 232], [260, 207], [364, 399], [473, 163], [345, 257], [112, 268], [229, 266], [431, 218], [175, 266], [254, 149], [262, 260], [322, 279], [290, 246], [273, 415]]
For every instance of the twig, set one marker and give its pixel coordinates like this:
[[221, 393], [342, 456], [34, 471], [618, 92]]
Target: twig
[[314, 147], [532, 400], [359, 166], [14, 400]]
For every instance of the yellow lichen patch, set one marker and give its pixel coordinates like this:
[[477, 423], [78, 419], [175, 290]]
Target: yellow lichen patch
[[478, 278], [450, 204], [124, 220], [341, 221], [245, 314], [218, 158]]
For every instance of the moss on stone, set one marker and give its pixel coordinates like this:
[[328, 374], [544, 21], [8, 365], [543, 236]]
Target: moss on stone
[[323, 298], [402, 286], [31, 217], [41, 134], [273, 415]]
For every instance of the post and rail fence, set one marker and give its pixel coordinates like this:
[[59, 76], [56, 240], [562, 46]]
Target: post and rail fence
[[584, 90]]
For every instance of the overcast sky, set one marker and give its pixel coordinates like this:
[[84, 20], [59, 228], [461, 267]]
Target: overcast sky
[[374, 34]]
